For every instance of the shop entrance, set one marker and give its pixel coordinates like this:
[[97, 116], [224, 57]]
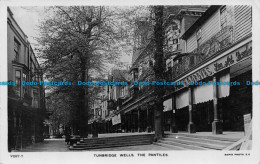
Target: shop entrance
[[182, 118], [167, 120], [203, 116], [238, 103]]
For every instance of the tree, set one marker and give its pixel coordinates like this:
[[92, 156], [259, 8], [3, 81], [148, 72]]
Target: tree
[[60, 111], [76, 42], [158, 68]]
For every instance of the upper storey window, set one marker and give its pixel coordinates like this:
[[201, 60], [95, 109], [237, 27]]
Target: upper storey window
[[223, 17], [198, 35], [18, 82], [16, 50], [122, 91], [172, 33]]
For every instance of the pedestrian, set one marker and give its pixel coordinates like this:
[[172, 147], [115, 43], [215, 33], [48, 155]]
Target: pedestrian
[[67, 135]]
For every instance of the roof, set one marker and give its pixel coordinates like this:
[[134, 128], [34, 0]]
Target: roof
[[211, 10], [119, 75]]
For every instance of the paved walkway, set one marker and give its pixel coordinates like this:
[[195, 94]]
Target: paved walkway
[[59, 145], [48, 145], [226, 134], [119, 134], [151, 147]]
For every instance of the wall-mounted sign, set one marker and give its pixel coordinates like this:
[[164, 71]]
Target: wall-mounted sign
[[231, 59], [218, 42]]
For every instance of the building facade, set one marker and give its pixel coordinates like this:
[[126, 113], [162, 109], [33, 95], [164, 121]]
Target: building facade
[[217, 59], [208, 54], [26, 103]]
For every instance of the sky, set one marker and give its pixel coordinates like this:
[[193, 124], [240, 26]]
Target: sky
[[29, 18]]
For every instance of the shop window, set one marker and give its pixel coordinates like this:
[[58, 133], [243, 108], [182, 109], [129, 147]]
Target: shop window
[[28, 57], [16, 50], [122, 91], [18, 82], [25, 87], [223, 17]]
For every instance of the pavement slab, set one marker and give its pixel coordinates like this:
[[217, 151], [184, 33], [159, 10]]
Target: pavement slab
[[59, 145]]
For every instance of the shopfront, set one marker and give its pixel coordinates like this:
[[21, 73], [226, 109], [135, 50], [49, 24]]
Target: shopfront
[[168, 112], [218, 93]]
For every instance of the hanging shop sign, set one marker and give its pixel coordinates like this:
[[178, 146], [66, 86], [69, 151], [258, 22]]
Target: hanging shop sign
[[116, 119], [233, 58], [167, 105]]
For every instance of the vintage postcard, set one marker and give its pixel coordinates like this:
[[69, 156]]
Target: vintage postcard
[[129, 82]]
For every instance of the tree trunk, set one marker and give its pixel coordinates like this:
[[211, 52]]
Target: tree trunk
[[86, 106], [83, 103], [158, 70]]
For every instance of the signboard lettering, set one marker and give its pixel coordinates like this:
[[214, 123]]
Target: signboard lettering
[[225, 62]]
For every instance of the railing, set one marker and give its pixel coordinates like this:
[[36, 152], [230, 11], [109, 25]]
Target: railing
[[218, 42], [244, 143], [145, 90]]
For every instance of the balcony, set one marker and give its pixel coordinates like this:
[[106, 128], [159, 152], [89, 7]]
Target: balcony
[[219, 42], [146, 90]]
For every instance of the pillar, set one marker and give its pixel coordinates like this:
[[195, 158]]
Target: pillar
[[95, 130], [216, 124], [191, 126], [174, 128], [125, 123], [132, 122], [129, 123], [108, 126], [148, 128], [139, 120]]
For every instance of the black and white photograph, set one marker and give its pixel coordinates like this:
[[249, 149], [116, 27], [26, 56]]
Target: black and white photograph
[[130, 81]]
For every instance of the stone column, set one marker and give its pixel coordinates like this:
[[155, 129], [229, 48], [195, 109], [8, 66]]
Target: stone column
[[125, 123], [216, 124], [139, 120], [132, 123], [173, 117], [108, 126], [191, 126], [148, 128], [95, 130]]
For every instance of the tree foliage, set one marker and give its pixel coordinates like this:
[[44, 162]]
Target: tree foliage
[[76, 44]]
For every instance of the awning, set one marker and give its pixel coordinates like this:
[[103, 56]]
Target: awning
[[202, 93], [182, 99], [224, 90]]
